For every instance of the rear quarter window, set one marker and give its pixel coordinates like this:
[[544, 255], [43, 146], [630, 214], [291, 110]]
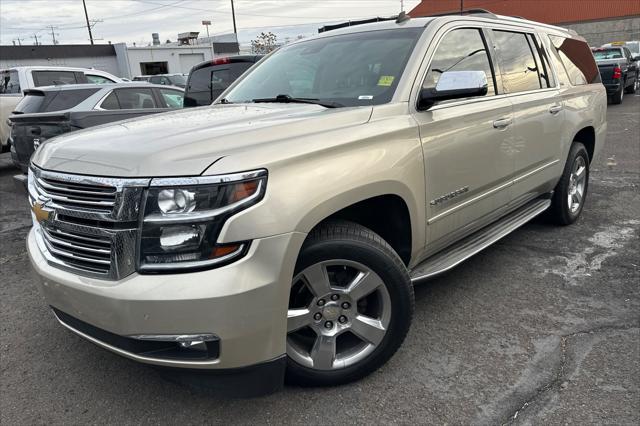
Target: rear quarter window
[[66, 99], [577, 59], [49, 101]]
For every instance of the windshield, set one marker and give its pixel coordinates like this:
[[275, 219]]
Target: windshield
[[349, 70], [178, 79], [602, 54]]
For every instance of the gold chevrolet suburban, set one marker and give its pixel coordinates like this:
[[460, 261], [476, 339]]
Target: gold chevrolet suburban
[[279, 232]]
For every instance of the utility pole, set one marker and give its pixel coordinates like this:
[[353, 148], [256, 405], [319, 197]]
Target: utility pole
[[233, 15], [53, 34], [401, 5], [86, 16], [461, 6], [206, 24]]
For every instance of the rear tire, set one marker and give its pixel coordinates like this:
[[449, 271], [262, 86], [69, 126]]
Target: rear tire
[[350, 307], [632, 88], [616, 98], [571, 191]]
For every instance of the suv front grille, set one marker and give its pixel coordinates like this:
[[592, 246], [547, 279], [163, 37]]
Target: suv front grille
[[89, 253], [77, 195], [88, 225]]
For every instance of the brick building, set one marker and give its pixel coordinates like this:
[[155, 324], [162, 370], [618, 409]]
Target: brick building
[[599, 21]]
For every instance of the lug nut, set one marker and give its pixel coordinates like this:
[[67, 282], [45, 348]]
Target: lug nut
[[345, 305], [342, 319], [328, 324], [321, 302], [317, 316], [334, 297]]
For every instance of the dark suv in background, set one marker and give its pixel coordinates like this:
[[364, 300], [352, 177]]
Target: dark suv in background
[[209, 79]]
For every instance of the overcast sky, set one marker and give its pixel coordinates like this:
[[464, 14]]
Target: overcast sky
[[134, 20]]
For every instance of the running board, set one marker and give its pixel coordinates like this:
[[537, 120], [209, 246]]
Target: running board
[[478, 241]]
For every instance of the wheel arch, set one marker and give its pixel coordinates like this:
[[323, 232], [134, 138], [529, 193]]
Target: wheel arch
[[392, 214]]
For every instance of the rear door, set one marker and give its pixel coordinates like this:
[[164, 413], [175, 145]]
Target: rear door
[[538, 111], [467, 143]]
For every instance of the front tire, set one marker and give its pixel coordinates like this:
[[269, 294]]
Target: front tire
[[571, 191], [350, 307]]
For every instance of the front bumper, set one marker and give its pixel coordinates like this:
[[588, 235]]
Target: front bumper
[[244, 304]]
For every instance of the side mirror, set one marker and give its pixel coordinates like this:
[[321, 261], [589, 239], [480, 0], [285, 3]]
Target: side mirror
[[454, 85], [636, 58]]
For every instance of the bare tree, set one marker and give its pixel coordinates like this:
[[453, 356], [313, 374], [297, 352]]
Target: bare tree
[[264, 43]]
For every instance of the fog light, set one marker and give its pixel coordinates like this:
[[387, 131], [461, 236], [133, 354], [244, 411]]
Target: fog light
[[180, 236]]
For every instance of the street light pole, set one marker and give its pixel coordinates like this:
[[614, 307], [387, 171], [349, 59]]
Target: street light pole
[[86, 16], [233, 15]]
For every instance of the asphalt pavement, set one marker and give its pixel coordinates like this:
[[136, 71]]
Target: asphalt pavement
[[541, 328]]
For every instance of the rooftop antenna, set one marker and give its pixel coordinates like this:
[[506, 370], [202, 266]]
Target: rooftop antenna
[[402, 17]]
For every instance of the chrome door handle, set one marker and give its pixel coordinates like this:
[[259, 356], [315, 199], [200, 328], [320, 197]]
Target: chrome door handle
[[555, 109], [502, 123]]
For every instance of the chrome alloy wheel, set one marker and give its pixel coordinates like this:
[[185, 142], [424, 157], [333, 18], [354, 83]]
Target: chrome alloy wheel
[[339, 312], [577, 184]]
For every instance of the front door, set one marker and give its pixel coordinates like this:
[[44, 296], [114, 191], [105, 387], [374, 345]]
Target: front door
[[467, 143]]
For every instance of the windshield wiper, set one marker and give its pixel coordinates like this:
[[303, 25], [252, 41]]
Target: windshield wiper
[[286, 99]]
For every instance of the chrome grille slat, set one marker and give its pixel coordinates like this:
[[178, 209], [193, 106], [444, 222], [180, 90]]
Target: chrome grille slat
[[76, 197], [72, 255], [44, 183], [95, 240], [96, 251]]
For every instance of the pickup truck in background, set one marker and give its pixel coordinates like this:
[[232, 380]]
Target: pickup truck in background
[[618, 70], [16, 80], [51, 111]]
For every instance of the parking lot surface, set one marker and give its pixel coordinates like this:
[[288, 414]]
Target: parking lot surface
[[543, 327]]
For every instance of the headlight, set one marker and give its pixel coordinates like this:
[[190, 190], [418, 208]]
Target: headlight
[[183, 218]]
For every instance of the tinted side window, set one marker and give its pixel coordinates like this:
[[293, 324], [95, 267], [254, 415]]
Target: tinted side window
[[460, 50], [110, 102], [517, 62], [66, 99], [9, 82], [135, 98], [577, 59], [51, 78], [173, 98], [206, 84], [542, 61], [98, 79]]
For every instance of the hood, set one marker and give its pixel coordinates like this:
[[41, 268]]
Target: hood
[[186, 142]]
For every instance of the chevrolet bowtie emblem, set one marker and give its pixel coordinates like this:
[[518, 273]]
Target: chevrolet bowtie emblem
[[40, 212]]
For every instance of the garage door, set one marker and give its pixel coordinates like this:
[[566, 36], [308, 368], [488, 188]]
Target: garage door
[[188, 60]]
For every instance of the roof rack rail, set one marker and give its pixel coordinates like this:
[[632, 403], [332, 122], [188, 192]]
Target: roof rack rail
[[465, 12]]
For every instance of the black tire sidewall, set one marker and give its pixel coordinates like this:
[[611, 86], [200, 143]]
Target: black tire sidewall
[[560, 208], [398, 284]]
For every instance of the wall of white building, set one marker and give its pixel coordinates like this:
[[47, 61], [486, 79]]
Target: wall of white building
[[179, 59]]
